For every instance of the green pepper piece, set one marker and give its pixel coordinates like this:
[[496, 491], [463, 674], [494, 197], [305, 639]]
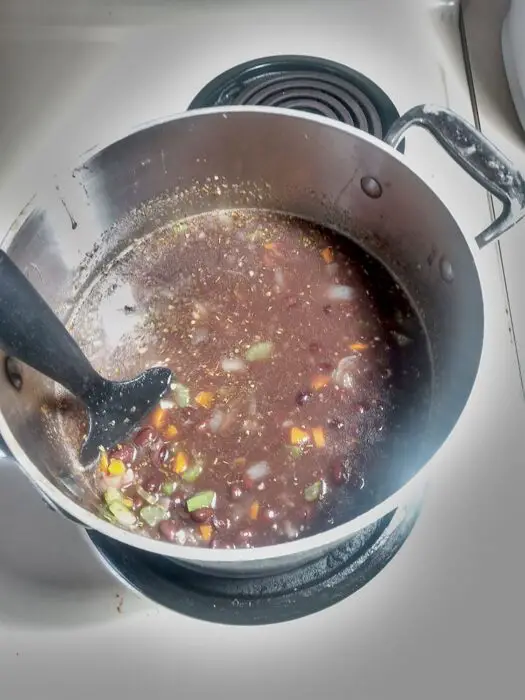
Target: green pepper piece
[[112, 494], [312, 492], [203, 499], [169, 487], [193, 473]]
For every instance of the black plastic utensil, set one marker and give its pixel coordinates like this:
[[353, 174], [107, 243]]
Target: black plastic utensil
[[30, 331]]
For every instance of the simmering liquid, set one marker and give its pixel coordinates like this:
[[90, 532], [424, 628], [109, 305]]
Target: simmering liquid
[[292, 352]]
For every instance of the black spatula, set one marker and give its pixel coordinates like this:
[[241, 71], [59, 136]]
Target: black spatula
[[30, 331]]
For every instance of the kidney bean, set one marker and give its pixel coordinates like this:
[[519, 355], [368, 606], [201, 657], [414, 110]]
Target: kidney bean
[[303, 397], [247, 483], [236, 491], [126, 454], [291, 301], [168, 529], [153, 483], [202, 515], [307, 511], [269, 515], [325, 367], [357, 480], [159, 455], [221, 523], [145, 437], [338, 473], [314, 348], [244, 536], [327, 308], [335, 423], [177, 500]]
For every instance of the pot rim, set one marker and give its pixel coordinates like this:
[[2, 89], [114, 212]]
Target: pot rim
[[199, 554]]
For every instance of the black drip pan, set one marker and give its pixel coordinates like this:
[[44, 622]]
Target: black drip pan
[[264, 599], [304, 83]]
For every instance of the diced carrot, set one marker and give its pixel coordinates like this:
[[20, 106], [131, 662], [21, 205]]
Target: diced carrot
[[320, 381], [357, 347], [254, 510], [298, 436], [103, 460], [205, 399], [158, 418], [206, 532], [116, 467], [327, 255], [269, 246], [318, 436], [171, 432], [180, 463]]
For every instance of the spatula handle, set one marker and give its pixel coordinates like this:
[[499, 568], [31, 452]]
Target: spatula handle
[[31, 332]]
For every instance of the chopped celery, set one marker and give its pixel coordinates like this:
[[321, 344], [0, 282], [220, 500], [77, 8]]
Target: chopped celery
[[153, 515], [203, 499]]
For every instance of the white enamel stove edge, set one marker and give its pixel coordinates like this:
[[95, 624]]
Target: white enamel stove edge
[[89, 81]]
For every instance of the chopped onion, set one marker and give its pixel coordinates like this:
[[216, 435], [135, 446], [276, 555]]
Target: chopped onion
[[200, 310], [166, 404], [128, 477], [216, 421], [182, 394], [279, 278], [150, 498], [233, 364], [258, 470], [152, 515], [164, 502], [181, 536], [112, 495], [200, 335], [339, 292], [401, 339], [343, 374], [121, 513], [109, 481], [290, 530]]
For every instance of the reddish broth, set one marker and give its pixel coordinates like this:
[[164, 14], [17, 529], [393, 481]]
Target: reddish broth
[[286, 341]]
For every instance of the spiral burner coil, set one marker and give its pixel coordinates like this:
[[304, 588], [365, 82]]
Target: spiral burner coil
[[306, 84]]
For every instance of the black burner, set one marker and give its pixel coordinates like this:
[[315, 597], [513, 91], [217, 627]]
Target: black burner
[[303, 83], [266, 599]]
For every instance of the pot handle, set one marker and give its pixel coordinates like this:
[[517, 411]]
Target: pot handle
[[476, 155]]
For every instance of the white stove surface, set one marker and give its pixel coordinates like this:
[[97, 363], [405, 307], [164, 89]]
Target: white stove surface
[[442, 620]]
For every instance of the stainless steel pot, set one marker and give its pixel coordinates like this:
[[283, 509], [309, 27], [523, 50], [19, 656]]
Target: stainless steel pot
[[274, 159]]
